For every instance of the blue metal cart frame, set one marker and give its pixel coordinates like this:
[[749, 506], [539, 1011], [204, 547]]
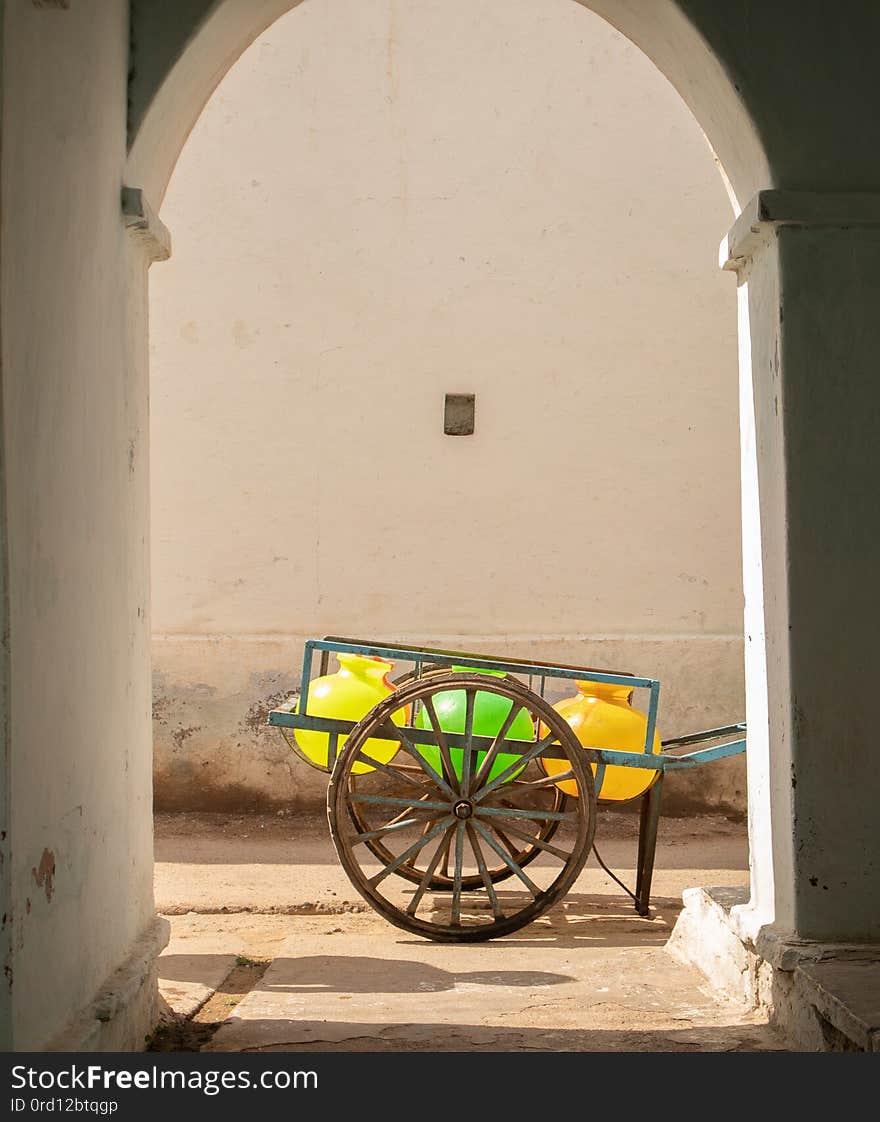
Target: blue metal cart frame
[[426, 661]]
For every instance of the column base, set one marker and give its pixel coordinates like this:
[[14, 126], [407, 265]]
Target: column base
[[125, 1012], [822, 997]]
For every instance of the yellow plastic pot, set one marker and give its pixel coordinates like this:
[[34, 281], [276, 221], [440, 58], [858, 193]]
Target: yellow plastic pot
[[360, 683], [601, 716]]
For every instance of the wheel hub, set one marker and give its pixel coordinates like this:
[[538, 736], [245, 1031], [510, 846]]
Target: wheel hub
[[463, 809]]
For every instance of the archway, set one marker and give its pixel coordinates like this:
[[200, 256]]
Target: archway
[[405, 215], [163, 110], [176, 74]]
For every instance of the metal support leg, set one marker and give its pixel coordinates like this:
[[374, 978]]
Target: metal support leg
[[649, 819]]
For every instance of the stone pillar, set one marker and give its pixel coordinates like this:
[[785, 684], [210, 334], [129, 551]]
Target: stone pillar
[[809, 270]]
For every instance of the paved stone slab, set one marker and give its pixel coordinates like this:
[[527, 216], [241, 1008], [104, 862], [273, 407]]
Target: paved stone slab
[[186, 981], [548, 988], [590, 975]]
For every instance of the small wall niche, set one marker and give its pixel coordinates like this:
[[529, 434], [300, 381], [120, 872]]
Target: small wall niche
[[458, 414]]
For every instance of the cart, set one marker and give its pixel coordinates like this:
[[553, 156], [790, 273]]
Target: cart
[[458, 837]]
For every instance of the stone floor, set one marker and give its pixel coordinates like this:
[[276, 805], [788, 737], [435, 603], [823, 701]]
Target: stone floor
[[273, 950]]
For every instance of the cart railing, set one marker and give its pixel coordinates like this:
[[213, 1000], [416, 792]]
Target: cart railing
[[422, 657]]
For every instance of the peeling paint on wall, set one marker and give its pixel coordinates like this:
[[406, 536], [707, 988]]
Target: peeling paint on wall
[[44, 873], [181, 734]]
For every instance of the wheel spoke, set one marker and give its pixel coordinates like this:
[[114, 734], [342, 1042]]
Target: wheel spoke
[[389, 800], [547, 781], [442, 848], [446, 853], [442, 742], [381, 831], [470, 698], [532, 815], [517, 765], [394, 772], [422, 762], [413, 806], [512, 865], [511, 848], [530, 838], [484, 872], [489, 758], [456, 880], [415, 848]]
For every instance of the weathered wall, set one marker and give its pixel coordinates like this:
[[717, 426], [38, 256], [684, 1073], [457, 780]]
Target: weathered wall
[[412, 210], [80, 911]]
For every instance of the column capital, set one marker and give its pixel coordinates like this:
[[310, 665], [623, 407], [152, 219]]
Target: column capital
[[141, 222], [766, 211]]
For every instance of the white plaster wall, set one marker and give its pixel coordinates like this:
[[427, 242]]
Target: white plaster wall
[[75, 429], [385, 201]]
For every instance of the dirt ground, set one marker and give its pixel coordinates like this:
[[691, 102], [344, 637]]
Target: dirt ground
[[272, 949]]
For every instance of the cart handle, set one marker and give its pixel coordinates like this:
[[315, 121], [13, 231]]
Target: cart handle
[[698, 737]]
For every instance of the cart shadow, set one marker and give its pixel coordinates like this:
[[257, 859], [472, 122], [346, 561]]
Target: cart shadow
[[349, 974], [259, 1024], [580, 920], [590, 918]]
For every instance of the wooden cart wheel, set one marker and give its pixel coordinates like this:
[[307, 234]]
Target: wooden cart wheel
[[442, 880], [485, 805]]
